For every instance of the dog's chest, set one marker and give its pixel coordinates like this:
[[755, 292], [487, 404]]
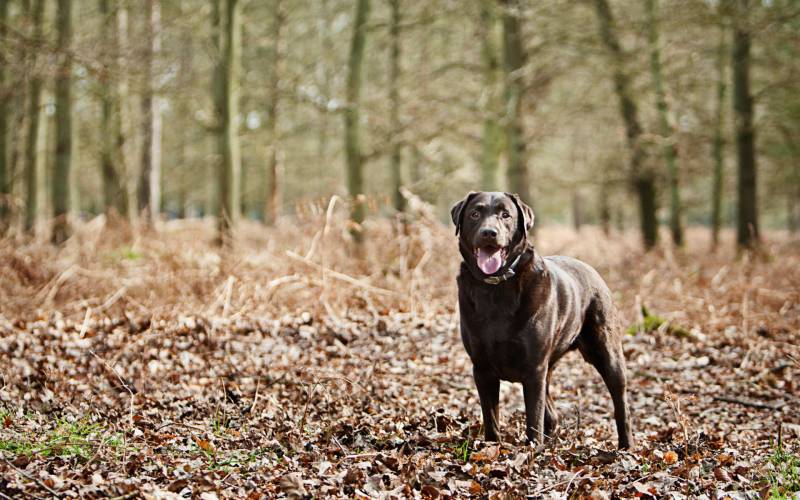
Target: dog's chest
[[501, 335]]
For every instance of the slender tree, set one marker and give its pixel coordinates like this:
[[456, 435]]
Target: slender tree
[[605, 208], [747, 234], [63, 155], [18, 110], [5, 100], [491, 141], [513, 63], [227, 103], [149, 193], [273, 168], [324, 77], [34, 111], [123, 126], [352, 143], [667, 136], [395, 159], [115, 196], [719, 141], [642, 176]]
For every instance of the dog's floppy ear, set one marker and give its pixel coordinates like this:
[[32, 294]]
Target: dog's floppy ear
[[525, 214], [457, 211]]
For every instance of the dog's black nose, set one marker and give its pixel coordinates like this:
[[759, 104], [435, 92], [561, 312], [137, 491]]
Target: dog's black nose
[[488, 232]]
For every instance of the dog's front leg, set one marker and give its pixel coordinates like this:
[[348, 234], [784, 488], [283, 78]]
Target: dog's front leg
[[535, 392], [489, 392]]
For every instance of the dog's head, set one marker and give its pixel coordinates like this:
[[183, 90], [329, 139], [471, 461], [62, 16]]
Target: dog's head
[[491, 226]]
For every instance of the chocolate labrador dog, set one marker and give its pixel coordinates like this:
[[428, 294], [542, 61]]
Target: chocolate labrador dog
[[521, 312]]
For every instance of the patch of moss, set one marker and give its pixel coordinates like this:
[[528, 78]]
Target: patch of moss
[[652, 322]]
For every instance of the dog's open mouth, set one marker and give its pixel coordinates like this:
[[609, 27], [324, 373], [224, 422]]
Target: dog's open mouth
[[490, 259]]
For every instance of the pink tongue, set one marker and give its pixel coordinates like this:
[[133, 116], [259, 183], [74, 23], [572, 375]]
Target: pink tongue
[[489, 262]]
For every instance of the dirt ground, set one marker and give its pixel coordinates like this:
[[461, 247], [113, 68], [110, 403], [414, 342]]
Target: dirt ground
[[153, 365]]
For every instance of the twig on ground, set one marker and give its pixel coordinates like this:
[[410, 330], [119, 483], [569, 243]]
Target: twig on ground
[[321, 234], [32, 478], [48, 293], [121, 381], [360, 455], [113, 298], [179, 424], [342, 276], [255, 397], [85, 325], [339, 444], [127, 496], [751, 404]]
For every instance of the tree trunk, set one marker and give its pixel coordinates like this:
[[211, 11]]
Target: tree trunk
[[324, 80], [18, 90], [490, 147], [747, 235], [605, 209], [577, 210], [124, 145], [227, 100], [395, 159], [667, 136], [513, 62], [5, 100], [719, 142], [642, 177], [352, 145], [273, 204], [114, 194], [20, 99], [63, 156], [149, 196], [31, 144]]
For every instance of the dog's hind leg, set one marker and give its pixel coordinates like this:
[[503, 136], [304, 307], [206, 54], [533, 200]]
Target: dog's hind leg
[[600, 345], [550, 414]]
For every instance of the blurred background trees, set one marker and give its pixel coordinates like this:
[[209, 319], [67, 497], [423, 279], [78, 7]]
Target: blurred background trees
[[609, 112]]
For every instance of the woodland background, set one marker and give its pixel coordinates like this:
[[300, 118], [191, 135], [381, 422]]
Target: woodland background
[[227, 270]]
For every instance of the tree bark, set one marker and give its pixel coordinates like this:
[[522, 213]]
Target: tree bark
[[669, 147], [273, 204], [719, 142], [577, 210], [395, 159], [747, 233], [227, 99], [324, 80], [352, 144], [124, 144], [642, 177], [17, 91], [115, 197], [513, 63], [32, 140], [491, 141], [149, 195], [63, 155], [605, 209], [5, 115]]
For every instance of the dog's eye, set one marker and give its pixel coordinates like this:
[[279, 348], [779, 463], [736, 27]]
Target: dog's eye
[[505, 214], [475, 214]]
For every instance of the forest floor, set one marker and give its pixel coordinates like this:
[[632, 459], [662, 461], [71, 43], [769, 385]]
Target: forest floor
[[153, 365]]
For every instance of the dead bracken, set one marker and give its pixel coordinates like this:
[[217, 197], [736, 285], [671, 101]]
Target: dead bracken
[[286, 367]]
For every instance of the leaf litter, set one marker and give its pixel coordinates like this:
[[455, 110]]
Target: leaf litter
[[289, 368]]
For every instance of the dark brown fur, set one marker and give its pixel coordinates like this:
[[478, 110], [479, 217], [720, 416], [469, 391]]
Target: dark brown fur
[[518, 329]]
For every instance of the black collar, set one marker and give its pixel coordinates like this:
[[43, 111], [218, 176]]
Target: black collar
[[510, 272]]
